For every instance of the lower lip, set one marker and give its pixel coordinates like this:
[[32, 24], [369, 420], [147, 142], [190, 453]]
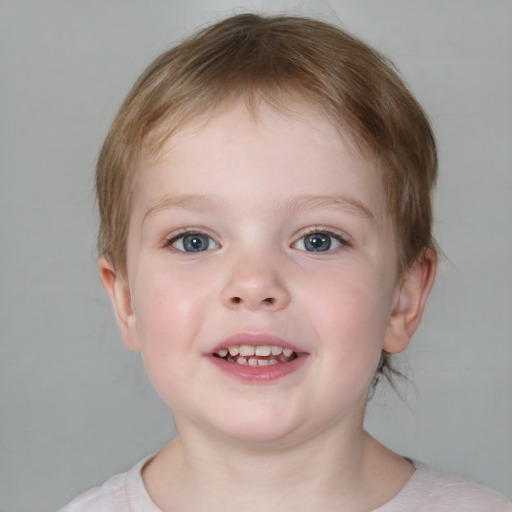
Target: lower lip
[[258, 374]]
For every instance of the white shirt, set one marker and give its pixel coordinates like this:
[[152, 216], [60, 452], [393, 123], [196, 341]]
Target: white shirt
[[426, 491]]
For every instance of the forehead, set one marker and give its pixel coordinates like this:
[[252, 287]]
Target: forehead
[[256, 108], [278, 147]]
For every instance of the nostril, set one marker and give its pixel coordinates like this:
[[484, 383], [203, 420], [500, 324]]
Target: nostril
[[269, 301]]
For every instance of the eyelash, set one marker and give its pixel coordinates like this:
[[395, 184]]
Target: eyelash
[[343, 240], [173, 238], [168, 243]]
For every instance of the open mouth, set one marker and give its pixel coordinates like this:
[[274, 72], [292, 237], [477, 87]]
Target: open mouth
[[260, 355]]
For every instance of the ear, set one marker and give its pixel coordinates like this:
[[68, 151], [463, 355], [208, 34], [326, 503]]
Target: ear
[[410, 302], [118, 290]]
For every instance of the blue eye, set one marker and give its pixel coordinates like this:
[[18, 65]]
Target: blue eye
[[319, 242], [194, 242]]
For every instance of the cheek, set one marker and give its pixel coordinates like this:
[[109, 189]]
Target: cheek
[[344, 295], [166, 325], [169, 308], [352, 317]]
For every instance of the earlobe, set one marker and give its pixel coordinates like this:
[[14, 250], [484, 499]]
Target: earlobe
[[410, 302], [118, 290]]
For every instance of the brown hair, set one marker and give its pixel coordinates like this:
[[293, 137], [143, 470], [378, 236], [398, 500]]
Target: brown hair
[[274, 58]]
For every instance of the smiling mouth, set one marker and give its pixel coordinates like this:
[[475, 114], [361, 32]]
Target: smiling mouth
[[260, 355]]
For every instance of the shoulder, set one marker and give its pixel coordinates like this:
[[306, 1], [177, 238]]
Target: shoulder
[[111, 496], [441, 492], [124, 492]]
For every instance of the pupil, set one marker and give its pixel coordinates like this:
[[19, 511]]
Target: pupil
[[195, 243], [318, 242]]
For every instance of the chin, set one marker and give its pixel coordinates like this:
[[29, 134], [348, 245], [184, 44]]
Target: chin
[[260, 428]]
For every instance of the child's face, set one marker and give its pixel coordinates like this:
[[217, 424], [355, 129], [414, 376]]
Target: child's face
[[260, 232]]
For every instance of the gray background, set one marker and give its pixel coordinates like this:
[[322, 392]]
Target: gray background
[[76, 405]]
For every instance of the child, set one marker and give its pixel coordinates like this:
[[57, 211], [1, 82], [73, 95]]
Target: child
[[265, 239]]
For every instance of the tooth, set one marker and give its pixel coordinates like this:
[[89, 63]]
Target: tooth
[[287, 352], [273, 361], [276, 350], [223, 352], [246, 350], [233, 351], [262, 350], [262, 362], [241, 360], [253, 362]]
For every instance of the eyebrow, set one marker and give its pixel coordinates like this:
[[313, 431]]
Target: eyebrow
[[319, 202], [188, 202], [296, 203]]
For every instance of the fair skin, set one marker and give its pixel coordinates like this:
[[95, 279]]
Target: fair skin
[[288, 244]]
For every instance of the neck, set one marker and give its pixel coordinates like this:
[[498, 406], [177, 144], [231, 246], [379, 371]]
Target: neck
[[198, 472]]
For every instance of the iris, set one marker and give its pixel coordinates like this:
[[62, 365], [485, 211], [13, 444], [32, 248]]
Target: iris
[[317, 242]]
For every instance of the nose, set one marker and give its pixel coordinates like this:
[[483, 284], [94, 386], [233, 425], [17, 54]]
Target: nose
[[255, 284]]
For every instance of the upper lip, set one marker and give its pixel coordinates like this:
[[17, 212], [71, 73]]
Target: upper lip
[[254, 340]]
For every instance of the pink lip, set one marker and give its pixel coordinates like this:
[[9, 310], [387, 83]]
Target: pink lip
[[256, 374]]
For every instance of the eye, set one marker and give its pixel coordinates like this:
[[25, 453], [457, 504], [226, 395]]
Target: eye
[[319, 241], [193, 242]]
